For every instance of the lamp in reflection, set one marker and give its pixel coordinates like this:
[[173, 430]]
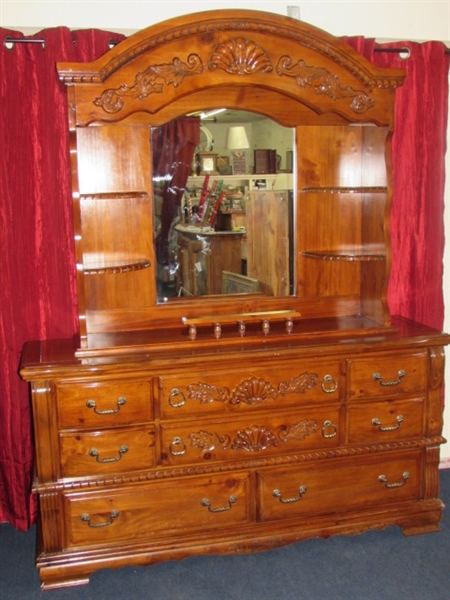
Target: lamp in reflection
[[237, 142]]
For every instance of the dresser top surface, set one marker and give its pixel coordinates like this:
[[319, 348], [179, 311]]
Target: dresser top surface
[[133, 350]]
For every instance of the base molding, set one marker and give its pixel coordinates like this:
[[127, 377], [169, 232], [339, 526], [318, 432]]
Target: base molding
[[74, 568]]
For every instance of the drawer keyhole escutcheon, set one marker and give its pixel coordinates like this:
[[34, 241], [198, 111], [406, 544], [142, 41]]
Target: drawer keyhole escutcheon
[[329, 385], [378, 377], [329, 430], [109, 411], [87, 519], [177, 443], [207, 503], [278, 494], [173, 394], [377, 423], [94, 452], [384, 479]]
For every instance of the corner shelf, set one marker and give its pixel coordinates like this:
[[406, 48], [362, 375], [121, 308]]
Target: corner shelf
[[114, 195], [112, 263], [345, 190], [114, 267], [346, 255]]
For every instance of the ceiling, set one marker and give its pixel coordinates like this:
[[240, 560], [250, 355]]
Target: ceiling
[[231, 116]]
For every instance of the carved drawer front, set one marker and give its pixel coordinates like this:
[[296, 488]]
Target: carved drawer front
[[388, 375], [157, 508], [288, 384], [109, 451], [244, 439], [329, 488], [104, 405], [385, 420]]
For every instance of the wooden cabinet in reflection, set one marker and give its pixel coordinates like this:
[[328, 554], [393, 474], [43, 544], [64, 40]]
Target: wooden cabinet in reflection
[[204, 256], [268, 218]]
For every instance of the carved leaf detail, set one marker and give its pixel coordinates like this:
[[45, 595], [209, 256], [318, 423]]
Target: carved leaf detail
[[253, 391], [324, 82], [206, 394], [208, 441], [254, 439], [298, 431], [240, 56], [147, 82], [299, 384]]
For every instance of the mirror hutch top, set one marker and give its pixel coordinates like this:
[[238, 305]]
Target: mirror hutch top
[[341, 111]]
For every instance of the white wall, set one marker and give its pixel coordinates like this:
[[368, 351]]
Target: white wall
[[381, 19]]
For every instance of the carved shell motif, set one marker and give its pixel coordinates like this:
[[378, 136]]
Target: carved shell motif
[[253, 391], [240, 56], [254, 438]]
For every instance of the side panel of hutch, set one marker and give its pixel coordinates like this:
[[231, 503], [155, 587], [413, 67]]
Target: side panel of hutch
[[212, 422]]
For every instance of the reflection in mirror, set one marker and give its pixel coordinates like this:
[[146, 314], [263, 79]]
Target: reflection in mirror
[[224, 203]]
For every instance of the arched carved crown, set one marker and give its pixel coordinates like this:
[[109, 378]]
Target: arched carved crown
[[164, 68], [240, 23]]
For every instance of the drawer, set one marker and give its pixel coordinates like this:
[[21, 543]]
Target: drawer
[[379, 376], [157, 508], [103, 404], [385, 420], [242, 439], [110, 451], [321, 489], [275, 385]]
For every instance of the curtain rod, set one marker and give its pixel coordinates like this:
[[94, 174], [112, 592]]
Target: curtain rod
[[112, 43], [402, 50], [10, 41]]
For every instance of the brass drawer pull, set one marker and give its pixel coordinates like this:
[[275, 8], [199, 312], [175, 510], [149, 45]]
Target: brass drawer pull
[[113, 515], [301, 491], [383, 479], [175, 392], [207, 503], [94, 452], [378, 377], [332, 430], [377, 423], [329, 385], [177, 442], [110, 411]]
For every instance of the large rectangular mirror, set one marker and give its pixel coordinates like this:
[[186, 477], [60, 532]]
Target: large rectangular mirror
[[224, 202]]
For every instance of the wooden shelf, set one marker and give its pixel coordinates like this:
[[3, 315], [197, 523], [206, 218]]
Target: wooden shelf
[[345, 190], [111, 267], [114, 196], [345, 254]]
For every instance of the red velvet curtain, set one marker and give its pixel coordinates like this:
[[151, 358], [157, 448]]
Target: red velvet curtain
[[175, 143], [418, 151], [37, 274]]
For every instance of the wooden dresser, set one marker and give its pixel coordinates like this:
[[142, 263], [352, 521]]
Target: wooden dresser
[[229, 423], [170, 455]]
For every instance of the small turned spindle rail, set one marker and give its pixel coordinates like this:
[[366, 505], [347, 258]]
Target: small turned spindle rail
[[241, 319]]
